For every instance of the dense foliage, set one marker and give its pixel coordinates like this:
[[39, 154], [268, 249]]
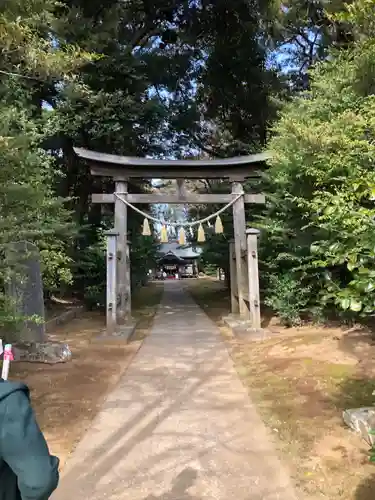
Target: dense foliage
[[136, 78], [29, 206], [318, 245], [171, 79]]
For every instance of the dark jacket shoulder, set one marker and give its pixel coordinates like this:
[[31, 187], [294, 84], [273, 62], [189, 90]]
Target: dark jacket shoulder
[[27, 470]]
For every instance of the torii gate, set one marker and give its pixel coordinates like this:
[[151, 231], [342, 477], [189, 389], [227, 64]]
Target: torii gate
[[244, 262]]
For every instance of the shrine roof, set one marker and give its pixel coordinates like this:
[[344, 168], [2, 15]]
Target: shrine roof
[[180, 251]]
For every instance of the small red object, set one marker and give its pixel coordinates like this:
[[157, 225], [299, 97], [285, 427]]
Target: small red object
[[8, 355]]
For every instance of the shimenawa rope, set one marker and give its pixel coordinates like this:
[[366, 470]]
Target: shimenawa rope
[[177, 224]]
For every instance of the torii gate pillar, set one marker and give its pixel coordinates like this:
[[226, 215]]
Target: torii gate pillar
[[239, 228], [123, 285]]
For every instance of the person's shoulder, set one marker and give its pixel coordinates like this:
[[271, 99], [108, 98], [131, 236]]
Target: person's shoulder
[[17, 389]]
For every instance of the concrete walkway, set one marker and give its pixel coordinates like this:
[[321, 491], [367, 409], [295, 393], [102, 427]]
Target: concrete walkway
[[179, 426]]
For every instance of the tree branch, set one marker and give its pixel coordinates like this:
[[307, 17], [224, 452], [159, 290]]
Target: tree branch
[[144, 35], [190, 134], [9, 73]]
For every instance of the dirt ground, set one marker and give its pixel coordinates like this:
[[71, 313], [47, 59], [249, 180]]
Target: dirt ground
[[302, 379], [66, 397]]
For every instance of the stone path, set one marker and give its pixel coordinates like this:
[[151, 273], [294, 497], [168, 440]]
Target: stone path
[[179, 426]]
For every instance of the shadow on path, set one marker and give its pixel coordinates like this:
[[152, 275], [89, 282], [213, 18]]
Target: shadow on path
[[183, 482], [179, 425], [366, 489]]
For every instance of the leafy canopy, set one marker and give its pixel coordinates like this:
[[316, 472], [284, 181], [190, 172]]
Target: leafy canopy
[[321, 218], [32, 60]]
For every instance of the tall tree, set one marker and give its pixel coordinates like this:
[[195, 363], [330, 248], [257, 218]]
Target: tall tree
[[301, 33], [320, 217], [31, 62], [155, 84]]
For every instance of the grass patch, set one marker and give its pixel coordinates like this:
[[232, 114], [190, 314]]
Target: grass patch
[[144, 307], [301, 381], [210, 295]]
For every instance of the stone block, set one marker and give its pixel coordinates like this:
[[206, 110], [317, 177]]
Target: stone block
[[42, 352], [243, 329], [25, 290], [122, 334]]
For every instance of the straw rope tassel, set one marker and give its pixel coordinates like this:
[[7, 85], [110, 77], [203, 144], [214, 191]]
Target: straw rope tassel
[[182, 236], [218, 225], [164, 235], [146, 231], [201, 236]]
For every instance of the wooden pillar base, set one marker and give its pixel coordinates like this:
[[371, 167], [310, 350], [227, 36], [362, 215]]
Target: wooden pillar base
[[239, 227], [233, 279], [121, 334], [253, 277], [123, 273], [111, 291]]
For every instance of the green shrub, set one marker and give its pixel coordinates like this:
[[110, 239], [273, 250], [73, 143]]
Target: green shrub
[[288, 297], [90, 274], [321, 205]]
